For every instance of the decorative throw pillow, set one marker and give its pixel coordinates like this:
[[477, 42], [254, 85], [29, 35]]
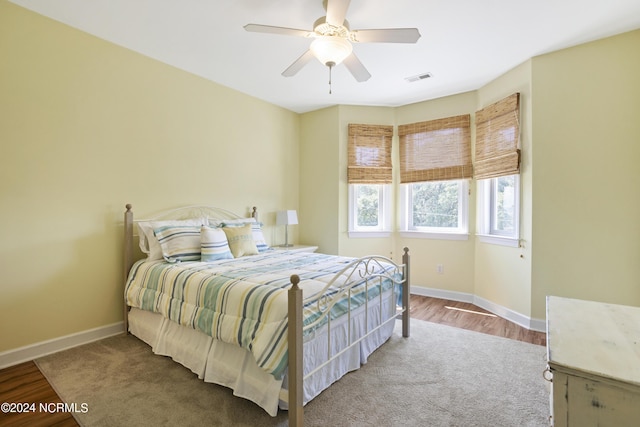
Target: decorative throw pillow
[[148, 241], [213, 244], [258, 237], [241, 241], [256, 231], [179, 242]]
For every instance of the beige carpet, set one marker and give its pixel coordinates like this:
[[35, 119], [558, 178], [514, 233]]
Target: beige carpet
[[440, 376]]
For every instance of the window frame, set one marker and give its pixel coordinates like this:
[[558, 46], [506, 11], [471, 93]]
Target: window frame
[[487, 210], [384, 213], [444, 233]]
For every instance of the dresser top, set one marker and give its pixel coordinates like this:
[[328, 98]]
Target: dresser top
[[593, 337]]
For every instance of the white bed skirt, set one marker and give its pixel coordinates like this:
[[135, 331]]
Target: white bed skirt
[[234, 367]]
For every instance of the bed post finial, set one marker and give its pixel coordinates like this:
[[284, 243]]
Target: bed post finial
[[295, 279], [254, 213]]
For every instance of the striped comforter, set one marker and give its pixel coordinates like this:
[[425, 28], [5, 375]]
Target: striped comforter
[[243, 301]]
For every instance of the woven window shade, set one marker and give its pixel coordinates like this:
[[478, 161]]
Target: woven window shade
[[370, 154], [497, 135], [437, 150]]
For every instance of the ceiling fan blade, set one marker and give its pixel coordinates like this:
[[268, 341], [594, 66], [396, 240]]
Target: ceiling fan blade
[[388, 35], [297, 65], [356, 68], [337, 11], [257, 28]]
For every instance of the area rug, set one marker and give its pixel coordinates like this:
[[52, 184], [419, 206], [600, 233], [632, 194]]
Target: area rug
[[440, 376]]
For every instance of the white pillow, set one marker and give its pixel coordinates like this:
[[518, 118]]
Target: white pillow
[[231, 222], [148, 241], [214, 244]]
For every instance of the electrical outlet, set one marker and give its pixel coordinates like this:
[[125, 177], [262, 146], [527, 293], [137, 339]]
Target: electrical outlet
[[440, 269]]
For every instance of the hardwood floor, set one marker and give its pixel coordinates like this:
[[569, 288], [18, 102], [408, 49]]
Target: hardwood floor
[[26, 387], [24, 383], [468, 316]]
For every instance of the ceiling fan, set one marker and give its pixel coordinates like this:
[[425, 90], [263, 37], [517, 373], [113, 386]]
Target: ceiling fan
[[332, 40]]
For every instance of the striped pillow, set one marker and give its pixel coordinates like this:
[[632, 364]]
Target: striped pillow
[[213, 244], [179, 242], [148, 242], [258, 237]]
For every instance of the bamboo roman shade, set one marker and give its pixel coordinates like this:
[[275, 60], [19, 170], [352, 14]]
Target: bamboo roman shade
[[497, 134], [370, 154], [436, 150]]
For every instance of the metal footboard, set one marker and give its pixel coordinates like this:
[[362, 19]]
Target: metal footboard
[[359, 273]]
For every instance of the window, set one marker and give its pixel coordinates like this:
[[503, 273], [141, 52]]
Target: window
[[438, 209], [435, 164], [499, 210], [497, 170], [369, 175], [369, 210], [503, 206]]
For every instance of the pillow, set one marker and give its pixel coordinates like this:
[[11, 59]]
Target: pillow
[[179, 242], [148, 241], [256, 231], [213, 244], [241, 241], [258, 237], [230, 222]]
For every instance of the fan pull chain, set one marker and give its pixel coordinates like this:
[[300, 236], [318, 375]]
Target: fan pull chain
[[330, 65]]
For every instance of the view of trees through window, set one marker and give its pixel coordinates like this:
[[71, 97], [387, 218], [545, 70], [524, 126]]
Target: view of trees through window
[[368, 199], [435, 204], [503, 193]]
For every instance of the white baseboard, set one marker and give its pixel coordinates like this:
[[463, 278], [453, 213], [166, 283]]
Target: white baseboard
[[539, 325], [442, 294], [34, 351]]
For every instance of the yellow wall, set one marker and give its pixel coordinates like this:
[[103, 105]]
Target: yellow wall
[[319, 163], [502, 273], [455, 256], [87, 127], [586, 185]]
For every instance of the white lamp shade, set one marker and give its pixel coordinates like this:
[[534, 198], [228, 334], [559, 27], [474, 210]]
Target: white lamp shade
[[331, 49], [287, 217]]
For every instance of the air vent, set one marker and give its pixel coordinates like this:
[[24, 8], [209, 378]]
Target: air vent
[[418, 77]]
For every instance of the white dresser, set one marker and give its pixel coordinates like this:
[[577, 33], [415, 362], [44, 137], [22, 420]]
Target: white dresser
[[593, 352]]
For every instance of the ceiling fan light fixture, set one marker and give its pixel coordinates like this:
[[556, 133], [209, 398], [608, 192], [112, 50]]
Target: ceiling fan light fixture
[[331, 49]]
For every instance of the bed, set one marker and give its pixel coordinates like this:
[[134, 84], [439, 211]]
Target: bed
[[276, 326]]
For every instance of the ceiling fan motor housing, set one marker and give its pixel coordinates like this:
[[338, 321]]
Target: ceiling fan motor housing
[[323, 28]]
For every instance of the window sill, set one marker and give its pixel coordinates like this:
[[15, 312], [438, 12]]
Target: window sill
[[369, 234], [439, 236], [499, 240]]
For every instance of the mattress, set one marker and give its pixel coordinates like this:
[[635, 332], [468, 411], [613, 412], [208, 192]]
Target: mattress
[[243, 301]]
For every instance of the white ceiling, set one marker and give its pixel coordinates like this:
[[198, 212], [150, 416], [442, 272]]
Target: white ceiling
[[465, 43]]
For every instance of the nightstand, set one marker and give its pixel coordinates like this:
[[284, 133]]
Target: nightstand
[[296, 248]]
